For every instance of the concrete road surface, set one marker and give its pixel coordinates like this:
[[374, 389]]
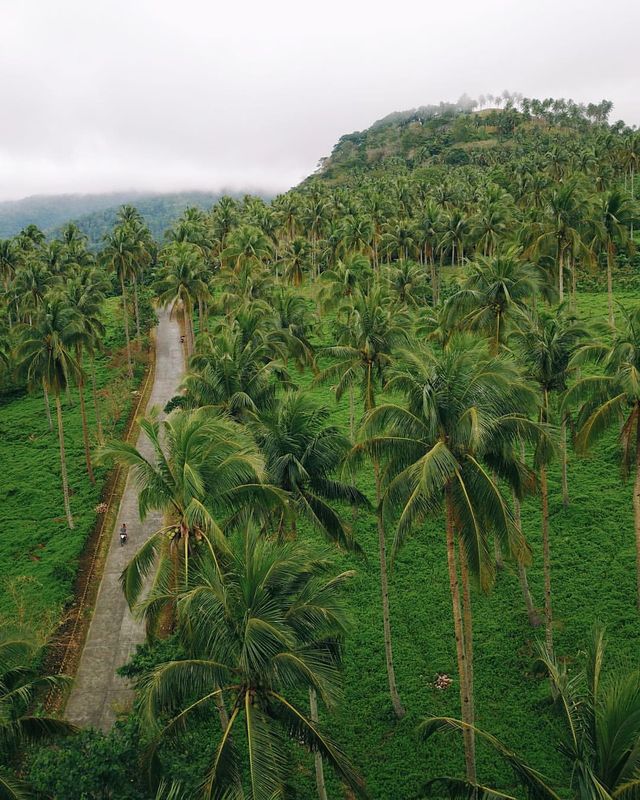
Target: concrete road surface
[[98, 694]]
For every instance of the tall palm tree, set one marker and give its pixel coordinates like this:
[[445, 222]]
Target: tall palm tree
[[616, 215], [247, 246], [612, 399], [86, 296], [234, 372], [496, 290], [212, 470], [546, 344], [600, 740], [10, 260], [20, 686], [301, 454], [256, 632], [117, 255], [180, 284], [566, 209], [45, 359], [444, 449], [370, 331]]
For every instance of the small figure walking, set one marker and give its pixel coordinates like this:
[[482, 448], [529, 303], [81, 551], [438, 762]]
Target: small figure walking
[[123, 534]]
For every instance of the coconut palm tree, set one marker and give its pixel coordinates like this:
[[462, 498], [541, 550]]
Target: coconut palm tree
[[212, 470], [546, 343], [117, 255], [296, 260], [566, 208], [600, 740], [44, 358], [234, 372], [247, 246], [20, 685], [86, 296], [408, 284], [181, 285], [10, 260], [369, 331], [256, 632], [496, 290], [616, 215], [301, 454], [444, 450], [612, 399]]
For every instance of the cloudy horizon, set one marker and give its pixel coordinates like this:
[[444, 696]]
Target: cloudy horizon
[[157, 96]]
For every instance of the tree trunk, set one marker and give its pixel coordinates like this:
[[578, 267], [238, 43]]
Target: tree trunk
[[532, 615], [560, 275], [563, 462], [636, 500], [546, 560], [46, 405], [85, 431], [96, 403], [135, 305], [384, 590], [352, 414], [434, 283], [322, 789], [63, 462], [610, 256], [467, 620], [125, 313], [459, 636]]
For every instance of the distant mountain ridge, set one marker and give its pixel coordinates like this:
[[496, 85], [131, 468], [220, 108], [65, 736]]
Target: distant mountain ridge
[[96, 213]]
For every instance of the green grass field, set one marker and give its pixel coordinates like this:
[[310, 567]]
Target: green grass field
[[38, 552]]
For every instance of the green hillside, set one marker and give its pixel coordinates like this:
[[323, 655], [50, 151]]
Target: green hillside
[[95, 214]]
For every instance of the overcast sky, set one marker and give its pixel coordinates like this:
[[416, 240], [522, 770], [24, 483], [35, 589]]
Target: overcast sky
[[99, 95]]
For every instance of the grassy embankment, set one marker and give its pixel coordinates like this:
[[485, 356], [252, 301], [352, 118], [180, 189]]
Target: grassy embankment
[[38, 553]]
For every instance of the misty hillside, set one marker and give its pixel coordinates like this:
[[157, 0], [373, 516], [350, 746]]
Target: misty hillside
[[459, 134], [95, 213]]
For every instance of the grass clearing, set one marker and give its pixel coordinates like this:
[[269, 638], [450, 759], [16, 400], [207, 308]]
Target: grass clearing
[[38, 553]]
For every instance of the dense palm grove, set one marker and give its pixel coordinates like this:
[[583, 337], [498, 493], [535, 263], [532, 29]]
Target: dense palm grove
[[429, 276]]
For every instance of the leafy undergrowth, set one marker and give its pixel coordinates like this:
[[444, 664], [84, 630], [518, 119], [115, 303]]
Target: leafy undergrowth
[[38, 552]]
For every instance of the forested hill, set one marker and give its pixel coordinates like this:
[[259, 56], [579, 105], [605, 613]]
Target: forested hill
[[95, 214], [466, 133]]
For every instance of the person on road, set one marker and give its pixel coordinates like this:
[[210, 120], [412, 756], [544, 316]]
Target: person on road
[[123, 534]]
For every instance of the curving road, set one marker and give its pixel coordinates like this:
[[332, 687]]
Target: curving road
[[98, 694]]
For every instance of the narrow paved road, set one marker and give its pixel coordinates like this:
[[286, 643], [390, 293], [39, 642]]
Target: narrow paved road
[[98, 693]]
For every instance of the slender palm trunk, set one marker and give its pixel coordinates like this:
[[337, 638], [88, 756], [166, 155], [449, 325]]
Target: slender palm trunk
[[125, 313], [461, 653], [636, 501], [563, 462], [384, 590], [96, 403], [320, 784], [63, 462], [560, 274], [546, 560], [47, 407], [135, 306], [467, 621], [352, 414], [532, 616], [610, 257], [85, 431]]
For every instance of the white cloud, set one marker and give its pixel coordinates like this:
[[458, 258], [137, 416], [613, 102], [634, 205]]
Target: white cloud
[[159, 94]]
